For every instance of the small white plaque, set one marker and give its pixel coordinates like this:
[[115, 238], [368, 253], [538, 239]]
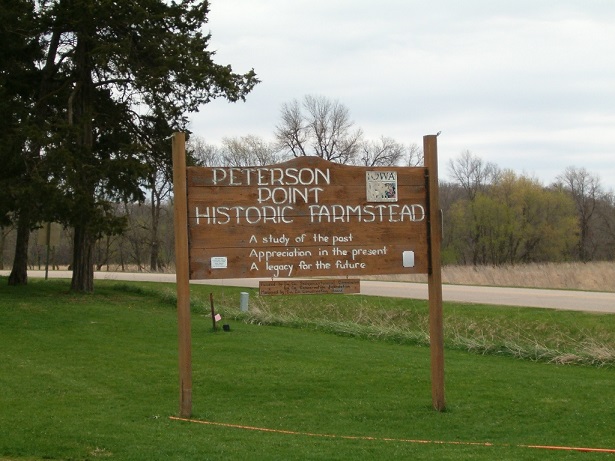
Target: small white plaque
[[408, 258], [218, 262]]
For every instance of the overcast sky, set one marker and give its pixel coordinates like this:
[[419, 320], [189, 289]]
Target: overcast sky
[[525, 84]]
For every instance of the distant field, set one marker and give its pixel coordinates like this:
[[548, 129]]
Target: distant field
[[596, 276], [85, 377]]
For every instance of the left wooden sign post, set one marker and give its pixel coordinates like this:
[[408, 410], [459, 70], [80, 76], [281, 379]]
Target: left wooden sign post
[[182, 274]]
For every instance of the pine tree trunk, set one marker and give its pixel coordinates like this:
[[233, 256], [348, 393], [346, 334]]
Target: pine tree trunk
[[19, 273], [82, 103], [83, 264]]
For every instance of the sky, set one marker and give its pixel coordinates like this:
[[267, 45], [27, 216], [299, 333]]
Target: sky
[[526, 84]]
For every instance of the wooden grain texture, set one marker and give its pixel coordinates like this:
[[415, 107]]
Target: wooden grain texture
[[434, 278], [182, 275], [242, 263], [307, 205]]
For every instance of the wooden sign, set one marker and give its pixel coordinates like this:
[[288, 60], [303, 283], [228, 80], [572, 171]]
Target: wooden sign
[[309, 287], [306, 218]]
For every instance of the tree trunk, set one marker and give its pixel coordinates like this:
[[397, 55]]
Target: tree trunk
[[2, 242], [19, 273], [83, 264], [154, 259], [155, 244], [81, 103]]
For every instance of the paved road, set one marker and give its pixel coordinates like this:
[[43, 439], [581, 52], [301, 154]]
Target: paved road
[[551, 299]]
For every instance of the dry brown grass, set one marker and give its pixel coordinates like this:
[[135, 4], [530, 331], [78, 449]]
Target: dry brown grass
[[595, 276]]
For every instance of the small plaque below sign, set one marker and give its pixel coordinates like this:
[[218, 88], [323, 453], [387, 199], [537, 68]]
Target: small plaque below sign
[[309, 287], [218, 262]]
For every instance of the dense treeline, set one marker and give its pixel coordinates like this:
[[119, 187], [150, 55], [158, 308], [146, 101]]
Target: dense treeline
[[491, 216], [91, 91], [499, 217]]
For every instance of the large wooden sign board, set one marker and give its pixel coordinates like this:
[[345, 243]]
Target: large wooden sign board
[[306, 218]]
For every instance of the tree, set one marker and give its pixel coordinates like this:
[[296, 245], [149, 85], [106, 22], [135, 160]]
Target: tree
[[586, 191], [320, 127], [22, 179], [543, 220], [248, 150], [202, 153], [117, 60], [607, 225], [516, 220], [384, 152], [153, 135], [414, 155], [4, 232], [474, 177], [472, 173]]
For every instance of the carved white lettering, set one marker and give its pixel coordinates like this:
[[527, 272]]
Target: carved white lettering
[[280, 195], [265, 255], [270, 176], [366, 213], [239, 214], [287, 269]]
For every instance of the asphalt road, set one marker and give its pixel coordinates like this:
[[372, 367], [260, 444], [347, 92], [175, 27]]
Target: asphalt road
[[525, 297]]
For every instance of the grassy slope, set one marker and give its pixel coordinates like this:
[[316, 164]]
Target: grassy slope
[[537, 334], [95, 376]]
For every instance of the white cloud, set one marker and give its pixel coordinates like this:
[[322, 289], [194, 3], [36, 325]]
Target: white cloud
[[528, 85]]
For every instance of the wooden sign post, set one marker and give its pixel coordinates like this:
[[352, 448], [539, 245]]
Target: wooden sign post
[[307, 217], [434, 274], [182, 276]]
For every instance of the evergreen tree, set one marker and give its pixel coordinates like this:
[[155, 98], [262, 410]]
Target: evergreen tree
[[108, 62]]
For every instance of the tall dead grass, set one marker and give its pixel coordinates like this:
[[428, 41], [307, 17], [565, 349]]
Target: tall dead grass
[[594, 276]]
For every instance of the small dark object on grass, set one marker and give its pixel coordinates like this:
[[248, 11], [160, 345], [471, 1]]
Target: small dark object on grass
[[226, 327]]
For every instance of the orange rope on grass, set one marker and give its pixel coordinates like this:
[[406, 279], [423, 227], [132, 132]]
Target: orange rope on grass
[[387, 439], [311, 434], [581, 449]]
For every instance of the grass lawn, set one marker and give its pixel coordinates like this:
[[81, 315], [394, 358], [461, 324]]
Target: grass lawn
[[95, 377]]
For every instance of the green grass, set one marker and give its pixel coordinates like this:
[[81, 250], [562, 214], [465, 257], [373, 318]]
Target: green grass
[[535, 334], [95, 377]]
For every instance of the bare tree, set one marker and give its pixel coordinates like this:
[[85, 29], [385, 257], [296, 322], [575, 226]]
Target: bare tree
[[4, 232], [202, 153], [292, 134], [137, 234], [318, 126], [249, 150], [384, 152], [414, 155], [586, 192], [472, 173], [474, 176]]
